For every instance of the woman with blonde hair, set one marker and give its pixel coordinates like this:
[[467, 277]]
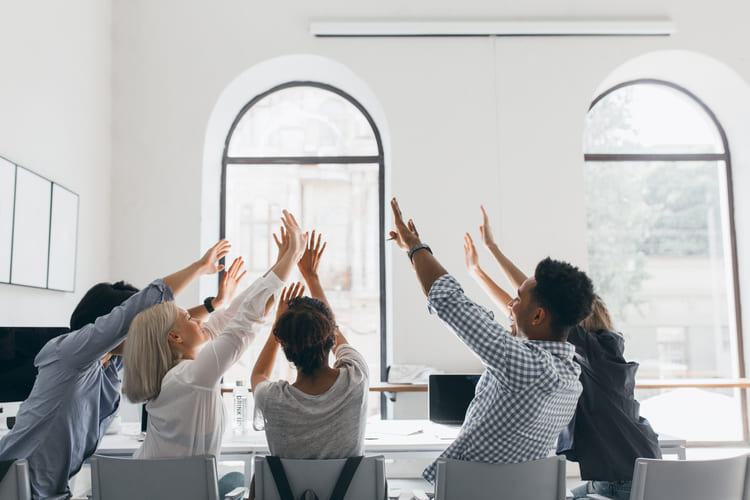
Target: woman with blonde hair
[[175, 363]]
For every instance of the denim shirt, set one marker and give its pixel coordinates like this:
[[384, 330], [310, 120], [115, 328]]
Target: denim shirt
[[74, 397]]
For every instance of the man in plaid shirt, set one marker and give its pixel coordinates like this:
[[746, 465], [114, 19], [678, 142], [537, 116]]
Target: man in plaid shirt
[[529, 390]]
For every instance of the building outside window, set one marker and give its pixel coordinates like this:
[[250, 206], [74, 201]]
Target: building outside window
[[313, 150], [662, 254]]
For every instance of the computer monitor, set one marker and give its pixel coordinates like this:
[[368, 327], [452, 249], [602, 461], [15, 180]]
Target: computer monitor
[[18, 348], [449, 397]]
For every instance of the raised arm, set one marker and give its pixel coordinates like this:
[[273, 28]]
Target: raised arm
[[500, 296], [425, 264], [308, 267], [267, 357], [224, 350], [227, 288], [514, 275], [95, 340]]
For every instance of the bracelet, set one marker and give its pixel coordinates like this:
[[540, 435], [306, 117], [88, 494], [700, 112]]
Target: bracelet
[[416, 247], [207, 304]]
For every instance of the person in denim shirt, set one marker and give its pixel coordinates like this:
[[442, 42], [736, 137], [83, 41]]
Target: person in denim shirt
[[77, 389]]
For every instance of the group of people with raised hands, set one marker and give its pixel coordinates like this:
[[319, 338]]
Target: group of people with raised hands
[[528, 400]]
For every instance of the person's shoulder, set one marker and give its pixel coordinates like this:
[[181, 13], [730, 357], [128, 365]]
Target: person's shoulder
[[349, 357], [270, 388]]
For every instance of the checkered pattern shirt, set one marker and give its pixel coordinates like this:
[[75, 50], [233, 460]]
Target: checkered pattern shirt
[[526, 396]]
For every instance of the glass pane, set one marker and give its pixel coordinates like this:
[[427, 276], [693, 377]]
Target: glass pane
[[659, 256], [303, 121], [649, 119], [694, 414], [339, 201]]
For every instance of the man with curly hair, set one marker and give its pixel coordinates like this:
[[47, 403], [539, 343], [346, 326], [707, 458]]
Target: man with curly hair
[[529, 389]]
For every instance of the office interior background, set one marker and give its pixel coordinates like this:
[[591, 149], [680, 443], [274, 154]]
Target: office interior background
[[130, 104]]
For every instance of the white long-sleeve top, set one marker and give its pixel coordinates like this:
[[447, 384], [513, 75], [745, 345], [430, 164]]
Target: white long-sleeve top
[[187, 417]]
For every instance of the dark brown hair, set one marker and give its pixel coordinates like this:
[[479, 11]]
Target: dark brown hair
[[305, 332]]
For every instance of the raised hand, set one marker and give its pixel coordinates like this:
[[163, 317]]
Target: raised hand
[[297, 238], [209, 262], [470, 254], [282, 243], [288, 293], [229, 282], [485, 230], [406, 234], [308, 264]]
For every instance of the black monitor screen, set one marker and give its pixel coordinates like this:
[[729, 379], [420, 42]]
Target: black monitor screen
[[450, 396], [18, 348]]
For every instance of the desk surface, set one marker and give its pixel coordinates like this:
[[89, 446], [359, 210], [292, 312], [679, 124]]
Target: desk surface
[[382, 437]]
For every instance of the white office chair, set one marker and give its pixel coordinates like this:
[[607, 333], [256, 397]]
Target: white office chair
[[725, 479], [537, 480], [368, 482], [15, 484], [186, 478]]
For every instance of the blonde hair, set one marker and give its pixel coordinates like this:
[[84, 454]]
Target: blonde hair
[[599, 319], [148, 355]]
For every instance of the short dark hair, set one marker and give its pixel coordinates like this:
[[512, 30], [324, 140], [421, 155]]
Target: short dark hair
[[565, 292], [99, 301], [305, 332]]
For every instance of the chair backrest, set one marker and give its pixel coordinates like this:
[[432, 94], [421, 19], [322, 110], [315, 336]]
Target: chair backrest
[[320, 476], [542, 479], [723, 479], [186, 478], [15, 484]]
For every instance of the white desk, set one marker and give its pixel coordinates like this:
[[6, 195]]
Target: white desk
[[391, 438]]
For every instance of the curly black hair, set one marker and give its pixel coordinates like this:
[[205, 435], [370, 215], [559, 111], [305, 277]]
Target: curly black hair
[[565, 292], [305, 332]]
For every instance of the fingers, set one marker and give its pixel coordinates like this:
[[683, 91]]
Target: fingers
[[239, 278], [292, 291], [412, 227], [278, 243]]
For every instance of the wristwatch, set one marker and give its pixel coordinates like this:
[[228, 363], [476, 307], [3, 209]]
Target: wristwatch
[[207, 304], [416, 247]]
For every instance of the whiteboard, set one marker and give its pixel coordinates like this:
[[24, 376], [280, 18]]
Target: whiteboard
[[63, 237], [30, 229], [7, 188]]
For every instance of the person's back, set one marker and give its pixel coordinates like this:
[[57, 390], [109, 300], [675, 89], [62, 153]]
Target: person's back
[[327, 425], [323, 414], [607, 433]]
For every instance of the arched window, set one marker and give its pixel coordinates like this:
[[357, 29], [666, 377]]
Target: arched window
[[314, 150], [662, 251]]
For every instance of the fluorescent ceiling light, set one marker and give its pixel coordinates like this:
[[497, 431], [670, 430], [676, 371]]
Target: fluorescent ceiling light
[[490, 28]]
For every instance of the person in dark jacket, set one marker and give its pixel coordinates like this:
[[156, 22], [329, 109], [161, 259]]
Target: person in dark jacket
[[606, 433]]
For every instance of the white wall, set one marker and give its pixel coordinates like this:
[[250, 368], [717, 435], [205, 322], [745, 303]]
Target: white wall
[[452, 147], [55, 119]]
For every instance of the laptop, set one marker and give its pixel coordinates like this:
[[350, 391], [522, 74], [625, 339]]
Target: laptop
[[449, 397]]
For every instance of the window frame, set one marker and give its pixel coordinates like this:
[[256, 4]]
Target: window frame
[[378, 159], [726, 158]]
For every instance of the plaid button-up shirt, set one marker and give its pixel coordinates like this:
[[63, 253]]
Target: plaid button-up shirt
[[526, 396]]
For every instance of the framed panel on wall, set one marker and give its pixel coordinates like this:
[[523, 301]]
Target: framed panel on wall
[[7, 190], [30, 229], [38, 230], [62, 243]]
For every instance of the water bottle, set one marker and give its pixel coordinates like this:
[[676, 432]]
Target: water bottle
[[241, 407]]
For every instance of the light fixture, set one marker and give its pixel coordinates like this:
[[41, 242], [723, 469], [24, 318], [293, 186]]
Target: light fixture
[[491, 28]]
